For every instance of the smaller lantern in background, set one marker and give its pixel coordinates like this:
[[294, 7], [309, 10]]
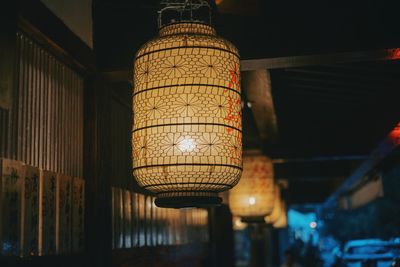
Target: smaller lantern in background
[[253, 198], [281, 222], [237, 223], [277, 209], [278, 216]]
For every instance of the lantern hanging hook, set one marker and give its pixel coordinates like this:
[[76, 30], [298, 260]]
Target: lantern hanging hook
[[183, 6]]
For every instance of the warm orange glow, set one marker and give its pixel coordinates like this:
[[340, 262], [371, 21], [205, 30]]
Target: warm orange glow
[[394, 53], [200, 217], [277, 209], [253, 197], [394, 135], [218, 2], [282, 220], [238, 225]]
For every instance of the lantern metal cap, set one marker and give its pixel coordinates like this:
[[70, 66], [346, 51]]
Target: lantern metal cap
[[187, 200], [184, 7], [184, 27]]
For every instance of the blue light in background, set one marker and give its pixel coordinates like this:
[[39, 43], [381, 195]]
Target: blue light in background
[[303, 226], [313, 225]]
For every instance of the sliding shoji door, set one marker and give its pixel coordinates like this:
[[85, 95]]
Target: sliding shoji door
[[44, 127]]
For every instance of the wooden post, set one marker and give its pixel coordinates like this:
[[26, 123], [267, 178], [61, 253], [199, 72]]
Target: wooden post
[[98, 227], [258, 247], [221, 237]]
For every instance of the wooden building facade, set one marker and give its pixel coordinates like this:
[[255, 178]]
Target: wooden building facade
[[67, 194]]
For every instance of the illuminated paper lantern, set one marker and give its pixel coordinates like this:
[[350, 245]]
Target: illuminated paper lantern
[[277, 209], [186, 137], [253, 198]]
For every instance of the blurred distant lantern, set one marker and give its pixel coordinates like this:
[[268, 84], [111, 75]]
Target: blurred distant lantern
[[253, 198], [238, 225], [278, 216], [187, 132], [277, 209], [281, 222]]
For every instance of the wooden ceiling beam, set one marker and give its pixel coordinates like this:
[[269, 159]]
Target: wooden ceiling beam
[[257, 87], [315, 60]]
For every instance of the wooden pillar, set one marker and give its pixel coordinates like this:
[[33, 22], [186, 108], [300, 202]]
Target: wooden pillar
[[97, 169], [264, 251], [221, 237], [258, 245], [274, 247]]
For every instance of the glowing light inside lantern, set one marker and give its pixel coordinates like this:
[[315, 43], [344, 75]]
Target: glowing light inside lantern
[[187, 145], [252, 201]]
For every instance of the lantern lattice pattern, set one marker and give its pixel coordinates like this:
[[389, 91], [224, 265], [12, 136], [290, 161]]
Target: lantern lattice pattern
[[186, 137], [253, 198]]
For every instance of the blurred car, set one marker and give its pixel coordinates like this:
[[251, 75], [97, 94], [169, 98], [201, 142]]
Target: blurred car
[[382, 252]]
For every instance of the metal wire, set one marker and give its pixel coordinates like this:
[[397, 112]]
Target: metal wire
[[181, 7]]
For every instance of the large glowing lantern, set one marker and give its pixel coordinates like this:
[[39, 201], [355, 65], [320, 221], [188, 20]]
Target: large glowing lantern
[[253, 198], [186, 137]]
